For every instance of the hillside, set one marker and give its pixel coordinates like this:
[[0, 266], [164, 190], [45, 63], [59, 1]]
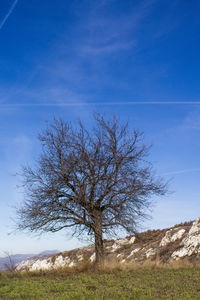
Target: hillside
[[10, 260], [176, 243]]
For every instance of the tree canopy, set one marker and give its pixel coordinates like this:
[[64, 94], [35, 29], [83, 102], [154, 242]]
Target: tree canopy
[[95, 181]]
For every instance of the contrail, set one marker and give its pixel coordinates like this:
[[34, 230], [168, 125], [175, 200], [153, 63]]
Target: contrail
[[107, 103], [182, 171], [8, 14]]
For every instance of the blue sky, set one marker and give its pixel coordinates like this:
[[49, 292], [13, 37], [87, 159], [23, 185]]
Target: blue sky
[[137, 59]]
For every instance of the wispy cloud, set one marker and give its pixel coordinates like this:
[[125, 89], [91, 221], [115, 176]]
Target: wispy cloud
[[105, 49], [183, 171], [8, 14], [104, 33], [39, 96], [192, 120]]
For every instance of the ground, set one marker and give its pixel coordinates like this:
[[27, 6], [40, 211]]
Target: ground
[[143, 283]]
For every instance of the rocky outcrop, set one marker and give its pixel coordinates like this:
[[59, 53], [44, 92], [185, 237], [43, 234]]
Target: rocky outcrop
[[179, 242]]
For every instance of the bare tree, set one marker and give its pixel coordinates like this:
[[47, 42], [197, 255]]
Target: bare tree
[[10, 264], [95, 181]]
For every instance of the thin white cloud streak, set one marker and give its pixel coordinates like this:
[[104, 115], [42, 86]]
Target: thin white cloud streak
[[192, 120], [182, 171], [62, 104], [111, 34], [8, 14], [115, 46]]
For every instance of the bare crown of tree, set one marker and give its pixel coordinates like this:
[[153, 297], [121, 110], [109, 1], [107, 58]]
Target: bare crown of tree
[[92, 180]]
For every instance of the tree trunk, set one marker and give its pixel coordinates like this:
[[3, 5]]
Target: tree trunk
[[98, 238]]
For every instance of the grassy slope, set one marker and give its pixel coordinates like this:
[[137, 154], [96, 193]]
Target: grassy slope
[[156, 283]]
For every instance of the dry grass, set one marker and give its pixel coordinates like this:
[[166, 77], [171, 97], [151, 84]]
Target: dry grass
[[152, 281], [113, 265]]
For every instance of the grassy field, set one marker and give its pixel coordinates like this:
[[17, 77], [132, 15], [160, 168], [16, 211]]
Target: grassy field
[[146, 283]]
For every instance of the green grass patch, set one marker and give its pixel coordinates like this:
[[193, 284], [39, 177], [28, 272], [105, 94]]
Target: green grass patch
[[145, 283]]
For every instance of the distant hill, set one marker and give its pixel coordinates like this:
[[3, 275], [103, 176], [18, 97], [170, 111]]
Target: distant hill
[[11, 260], [179, 242], [48, 252]]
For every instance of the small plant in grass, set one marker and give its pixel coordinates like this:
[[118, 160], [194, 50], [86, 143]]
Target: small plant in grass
[[10, 264]]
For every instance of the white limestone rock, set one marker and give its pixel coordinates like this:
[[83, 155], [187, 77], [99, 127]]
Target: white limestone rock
[[72, 264], [118, 255], [191, 243], [44, 264], [132, 240], [25, 264], [170, 236], [92, 257], [80, 257], [61, 261], [121, 242], [133, 252], [150, 252], [177, 235]]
